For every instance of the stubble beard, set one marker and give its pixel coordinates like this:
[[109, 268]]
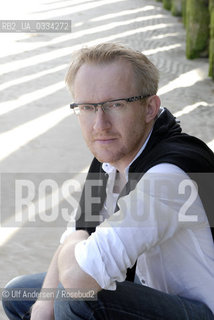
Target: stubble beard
[[113, 157]]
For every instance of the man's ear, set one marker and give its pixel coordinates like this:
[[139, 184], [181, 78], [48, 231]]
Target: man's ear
[[152, 107]]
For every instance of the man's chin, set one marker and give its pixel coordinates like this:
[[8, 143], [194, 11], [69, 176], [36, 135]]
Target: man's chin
[[104, 157]]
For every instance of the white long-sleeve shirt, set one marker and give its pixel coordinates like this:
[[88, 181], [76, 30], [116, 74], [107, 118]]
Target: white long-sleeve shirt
[[162, 225]]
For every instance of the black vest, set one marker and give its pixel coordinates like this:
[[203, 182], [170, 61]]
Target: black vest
[[167, 144]]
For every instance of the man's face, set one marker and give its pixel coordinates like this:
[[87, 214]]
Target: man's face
[[114, 138]]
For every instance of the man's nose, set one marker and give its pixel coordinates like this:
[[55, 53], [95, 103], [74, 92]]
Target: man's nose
[[101, 120]]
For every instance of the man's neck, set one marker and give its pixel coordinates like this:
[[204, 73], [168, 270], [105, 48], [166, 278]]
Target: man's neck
[[120, 182]]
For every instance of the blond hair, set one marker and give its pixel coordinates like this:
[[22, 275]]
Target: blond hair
[[146, 74]]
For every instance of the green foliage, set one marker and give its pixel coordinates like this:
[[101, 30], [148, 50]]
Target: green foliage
[[197, 26], [167, 4], [211, 49], [176, 7], [198, 19], [184, 5]]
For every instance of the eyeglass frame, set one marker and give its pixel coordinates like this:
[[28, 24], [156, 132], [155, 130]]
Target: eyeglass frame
[[96, 105]]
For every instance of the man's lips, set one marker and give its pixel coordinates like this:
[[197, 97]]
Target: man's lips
[[104, 140]]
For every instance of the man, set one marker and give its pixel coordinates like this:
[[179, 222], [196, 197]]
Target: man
[[149, 208]]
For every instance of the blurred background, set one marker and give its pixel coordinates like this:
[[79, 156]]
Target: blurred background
[[40, 137]]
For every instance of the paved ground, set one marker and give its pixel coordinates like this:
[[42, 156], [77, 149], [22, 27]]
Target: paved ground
[[38, 134]]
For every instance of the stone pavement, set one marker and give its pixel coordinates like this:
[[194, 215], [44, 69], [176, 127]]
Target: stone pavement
[[39, 134]]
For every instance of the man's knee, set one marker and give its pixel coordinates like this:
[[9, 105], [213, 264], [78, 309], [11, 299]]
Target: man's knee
[[8, 294], [13, 301]]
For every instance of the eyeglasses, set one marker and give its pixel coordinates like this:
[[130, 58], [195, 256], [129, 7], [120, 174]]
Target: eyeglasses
[[117, 105]]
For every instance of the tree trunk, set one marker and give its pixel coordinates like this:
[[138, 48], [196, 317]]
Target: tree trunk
[[176, 7], [197, 25], [167, 4], [211, 53]]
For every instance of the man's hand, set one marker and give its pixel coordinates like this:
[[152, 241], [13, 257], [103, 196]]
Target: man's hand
[[43, 310]]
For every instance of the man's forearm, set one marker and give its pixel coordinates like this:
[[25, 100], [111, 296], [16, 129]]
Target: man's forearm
[[44, 309], [52, 276]]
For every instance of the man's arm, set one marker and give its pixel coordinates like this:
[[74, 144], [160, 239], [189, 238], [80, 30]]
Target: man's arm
[[44, 310], [71, 275], [65, 269], [149, 215]]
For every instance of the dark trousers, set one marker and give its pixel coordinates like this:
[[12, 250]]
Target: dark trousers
[[130, 301]]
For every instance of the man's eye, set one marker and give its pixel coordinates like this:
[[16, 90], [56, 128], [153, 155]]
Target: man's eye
[[118, 104], [86, 108]]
